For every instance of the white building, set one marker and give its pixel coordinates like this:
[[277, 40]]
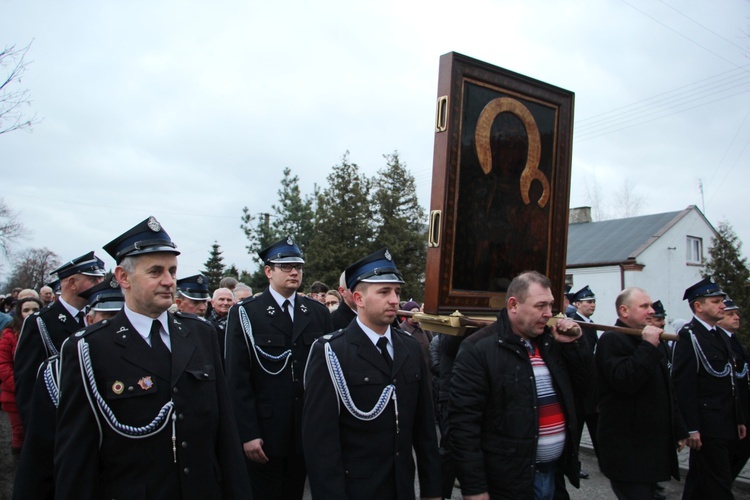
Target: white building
[[661, 253]]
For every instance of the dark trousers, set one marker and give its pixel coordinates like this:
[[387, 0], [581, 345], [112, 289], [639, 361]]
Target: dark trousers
[[282, 478], [633, 491], [710, 473], [740, 457]]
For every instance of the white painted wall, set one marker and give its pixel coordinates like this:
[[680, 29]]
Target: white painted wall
[[665, 276]]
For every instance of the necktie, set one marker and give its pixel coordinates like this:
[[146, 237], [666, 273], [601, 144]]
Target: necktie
[[286, 306], [79, 318], [383, 346], [157, 344]]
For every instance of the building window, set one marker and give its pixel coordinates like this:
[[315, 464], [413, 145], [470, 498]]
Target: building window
[[694, 250]]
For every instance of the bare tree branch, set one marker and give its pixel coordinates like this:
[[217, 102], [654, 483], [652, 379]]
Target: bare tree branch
[[11, 228], [13, 98]]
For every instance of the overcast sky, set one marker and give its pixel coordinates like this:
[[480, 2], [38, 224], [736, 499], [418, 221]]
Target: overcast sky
[[189, 111]]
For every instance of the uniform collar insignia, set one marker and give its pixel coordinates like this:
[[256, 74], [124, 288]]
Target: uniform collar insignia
[[271, 310], [122, 329], [303, 308], [62, 318]]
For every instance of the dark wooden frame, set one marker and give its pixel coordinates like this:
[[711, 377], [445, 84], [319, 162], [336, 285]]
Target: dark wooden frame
[[483, 228]]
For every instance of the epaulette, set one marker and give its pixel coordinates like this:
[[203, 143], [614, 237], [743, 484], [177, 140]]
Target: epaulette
[[181, 314], [90, 329], [247, 300], [329, 336]]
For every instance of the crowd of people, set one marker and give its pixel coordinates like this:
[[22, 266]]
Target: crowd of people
[[142, 385]]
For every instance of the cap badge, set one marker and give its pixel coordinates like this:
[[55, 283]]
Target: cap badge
[[711, 279], [200, 280], [145, 383], [113, 283], [62, 318], [153, 224], [388, 255], [118, 387], [289, 241]]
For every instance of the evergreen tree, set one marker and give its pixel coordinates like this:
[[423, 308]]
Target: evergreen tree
[[294, 216], [344, 228], [214, 267], [401, 224], [729, 269], [231, 272]]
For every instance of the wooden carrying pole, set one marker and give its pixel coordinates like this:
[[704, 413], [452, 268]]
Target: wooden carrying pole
[[623, 329], [456, 324]]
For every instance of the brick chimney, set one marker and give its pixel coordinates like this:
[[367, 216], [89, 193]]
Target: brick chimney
[[579, 214]]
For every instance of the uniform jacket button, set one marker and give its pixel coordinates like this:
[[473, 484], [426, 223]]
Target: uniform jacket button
[[184, 444], [186, 470], [175, 390]]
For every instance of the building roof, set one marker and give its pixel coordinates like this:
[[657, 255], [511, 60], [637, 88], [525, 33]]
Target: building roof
[[617, 241]]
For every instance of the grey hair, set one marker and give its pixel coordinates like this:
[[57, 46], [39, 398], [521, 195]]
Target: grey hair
[[128, 264]]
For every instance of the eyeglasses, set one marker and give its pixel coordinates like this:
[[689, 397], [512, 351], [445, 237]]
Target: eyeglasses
[[287, 268]]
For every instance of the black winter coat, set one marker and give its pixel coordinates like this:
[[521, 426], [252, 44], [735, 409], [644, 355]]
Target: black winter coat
[[493, 409], [639, 423]]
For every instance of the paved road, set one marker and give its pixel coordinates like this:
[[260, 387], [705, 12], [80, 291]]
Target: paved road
[[597, 486]]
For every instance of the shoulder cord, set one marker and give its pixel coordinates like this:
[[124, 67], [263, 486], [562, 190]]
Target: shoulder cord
[[52, 380], [51, 349], [156, 425], [743, 373], [247, 328], [342, 390], [703, 361]]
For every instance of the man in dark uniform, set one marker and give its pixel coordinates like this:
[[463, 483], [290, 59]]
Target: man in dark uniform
[[192, 295], [144, 409], [703, 375], [368, 402], [345, 313], [585, 306], [44, 332], [268, 339], [659, 318], [34, 477], [731, 326], [640, 428]]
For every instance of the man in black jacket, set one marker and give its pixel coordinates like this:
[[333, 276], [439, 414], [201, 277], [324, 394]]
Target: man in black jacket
[[44, 332], [268, 340], [731, 326], [144, 410], [368, 405], [512, 418], [640, 428], [704, 381]]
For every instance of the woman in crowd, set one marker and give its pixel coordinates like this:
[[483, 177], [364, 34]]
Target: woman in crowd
[[8, 342]]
